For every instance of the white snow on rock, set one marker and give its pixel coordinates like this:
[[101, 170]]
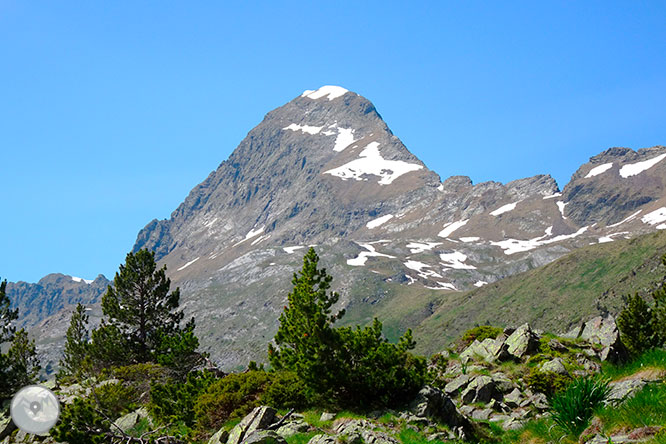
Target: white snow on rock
[[78, 279], [344, 139], [253, 233], [451, 227], [633, 216], [443, 286], [512, 246], [363, 256], [440, 187], [561, 206], [420, 268], [504, 209], [419, 247], [260, 239], [411, 279], [305, 128], [480, 283], [188, 264], [329, 91], [634, 169], [599, 170], [552, 196], [605, 239], [379, 221], [661, 227], [372, 163], [290, 250], [470, 239], [655, 217], [549, 231], [456, 260]]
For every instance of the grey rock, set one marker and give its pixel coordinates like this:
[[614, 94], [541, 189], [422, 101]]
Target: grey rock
[[323, 439], [7, 426], [522, 342], [514, 398], [555, 365], [292, 428], [502, 382], [131, 419], [263, 437], [482, 414], [433, 403], [481, 389], [539, 400], [327, 416], [513, 424], [604, 331], [258, 419], [621, 391], [456, 385], [220, 437]]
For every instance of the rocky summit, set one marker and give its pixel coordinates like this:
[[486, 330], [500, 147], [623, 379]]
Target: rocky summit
[[324, 170]]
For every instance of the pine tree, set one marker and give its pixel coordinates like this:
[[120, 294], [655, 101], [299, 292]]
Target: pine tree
[[23, 360], [636, 325], [659, 315], [7, 315], [76, 345], [307, 342]]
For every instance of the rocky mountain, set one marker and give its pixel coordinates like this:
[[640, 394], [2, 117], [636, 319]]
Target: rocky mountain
[[325, 170]]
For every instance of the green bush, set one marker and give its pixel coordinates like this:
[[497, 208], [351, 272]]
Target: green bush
[[572, 408], [173, 401], [547, 383], [637, 325], [116, 399], [480, 333], [80, 423], [286, 390], [233, 396]]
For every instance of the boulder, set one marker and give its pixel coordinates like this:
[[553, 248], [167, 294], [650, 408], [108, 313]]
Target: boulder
[[523, 341], [263, 437], [604, 331], [258, 419], [359, 431], [454, 387], [7, 426], [323, 439], [220, 437], [130, 420], [292, 428], [490, 350], [513, 399], [433, 403], [481, 389], [555, 365], [623, 390], [502, 382], [482, 414], [326, 416]]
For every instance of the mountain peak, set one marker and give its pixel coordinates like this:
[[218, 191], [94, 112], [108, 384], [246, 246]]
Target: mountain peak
[[327, 91]]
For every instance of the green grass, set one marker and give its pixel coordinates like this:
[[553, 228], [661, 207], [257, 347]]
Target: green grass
[[313, 416], [647, 408], [301, 438], [409, 436], [652, 359], [572, 409]]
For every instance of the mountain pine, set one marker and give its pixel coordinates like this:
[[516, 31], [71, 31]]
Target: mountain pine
[[76, 344]]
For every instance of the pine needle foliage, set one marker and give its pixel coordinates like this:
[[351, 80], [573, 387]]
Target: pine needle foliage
[[76, 345]]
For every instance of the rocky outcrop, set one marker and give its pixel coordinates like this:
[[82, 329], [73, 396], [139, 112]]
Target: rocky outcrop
[[603, 331]]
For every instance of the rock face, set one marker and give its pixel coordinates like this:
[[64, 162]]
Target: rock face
[[259, 419], [603, 331], [325, 170], [432, 403]]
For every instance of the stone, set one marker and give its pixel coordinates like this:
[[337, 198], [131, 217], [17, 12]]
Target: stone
[[323, 439], [604, 331], [514, 398], [7, 426], [557, 346], [642, 433], [433, 403], [490, 350], [130, 420], [623, 390], [480, 389], [455, 386], [555, 365], [512, 424], [326, 416], [292, 428], [522, 342], [502, 382], [440, 436], [360, 431], [263, 437], [498, 406], [258, 419], [482, 414], [539, 400], [220, 437]]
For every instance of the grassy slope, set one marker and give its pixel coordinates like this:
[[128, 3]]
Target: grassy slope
[[554, 297]]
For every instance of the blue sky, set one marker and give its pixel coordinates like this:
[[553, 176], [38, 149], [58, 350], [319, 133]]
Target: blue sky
[[110, 112]]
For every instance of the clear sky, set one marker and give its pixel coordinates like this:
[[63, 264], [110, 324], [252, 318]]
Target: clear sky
[[110, 112]]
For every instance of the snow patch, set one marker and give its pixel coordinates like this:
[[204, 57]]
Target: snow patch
[[480, 283], [419, 267], [253, 233], [451, 227], [290, 250], [599, 170], [661, 227], [372, 163], [605, 239], [512, 246], [443, 286], [440, 187], [78, 279], [634, 169], [504, 209], [329, 91], [561, 206], [411, 279], [552, 196], [305, 128], [418, 247], [363, 256], [456, 260], [188, 264], [344, 139], [379, 221], [470, 239], [260, 239], [655, 217]]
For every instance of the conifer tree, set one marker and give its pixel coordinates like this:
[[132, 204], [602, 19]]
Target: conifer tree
[[23, 360], [636, 324], [76, 345], [7, 315], [659, 315]]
